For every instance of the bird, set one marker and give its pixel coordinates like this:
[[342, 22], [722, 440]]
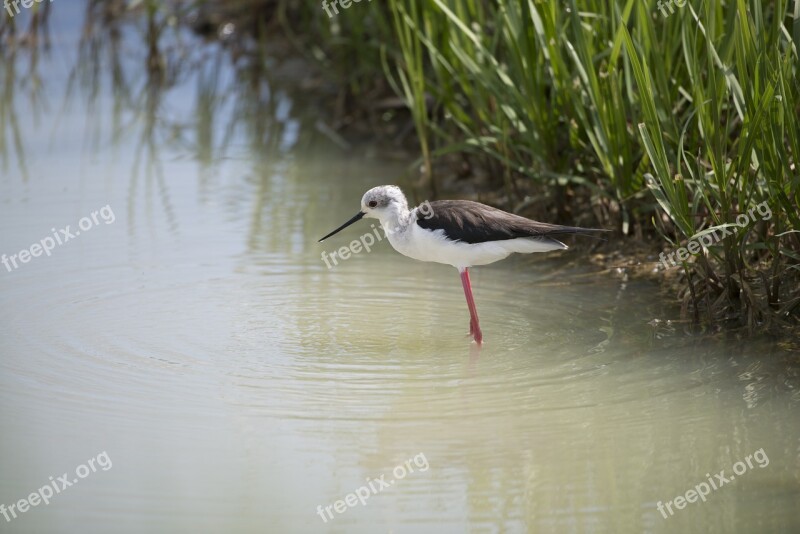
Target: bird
[[460, 233]]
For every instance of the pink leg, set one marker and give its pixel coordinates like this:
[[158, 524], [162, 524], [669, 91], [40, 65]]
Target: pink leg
[[474, 326]]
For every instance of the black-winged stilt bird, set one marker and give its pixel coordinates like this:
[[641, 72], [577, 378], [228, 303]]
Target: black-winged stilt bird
[[460, 233]]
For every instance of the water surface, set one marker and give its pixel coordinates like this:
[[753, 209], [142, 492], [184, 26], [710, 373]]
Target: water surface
[[237, 383]]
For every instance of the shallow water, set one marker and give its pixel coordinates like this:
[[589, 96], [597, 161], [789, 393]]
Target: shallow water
[[236, 383]]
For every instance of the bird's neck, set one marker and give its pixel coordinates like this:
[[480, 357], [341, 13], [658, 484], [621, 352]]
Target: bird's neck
[[396, 220]]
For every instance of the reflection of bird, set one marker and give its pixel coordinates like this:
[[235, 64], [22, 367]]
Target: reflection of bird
[[460, 233]]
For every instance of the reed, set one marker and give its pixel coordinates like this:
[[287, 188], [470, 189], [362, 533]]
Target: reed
[[678, 123]]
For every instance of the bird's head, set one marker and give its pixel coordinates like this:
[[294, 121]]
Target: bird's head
[[387, 203], [384, 202]]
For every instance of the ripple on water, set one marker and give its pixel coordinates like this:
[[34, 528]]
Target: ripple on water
[[364, 336], [300, 341]]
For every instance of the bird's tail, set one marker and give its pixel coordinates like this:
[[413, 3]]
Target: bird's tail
[[574, 230]]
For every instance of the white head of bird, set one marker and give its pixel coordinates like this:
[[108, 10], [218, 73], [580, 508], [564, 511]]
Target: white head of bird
[[388, 204]]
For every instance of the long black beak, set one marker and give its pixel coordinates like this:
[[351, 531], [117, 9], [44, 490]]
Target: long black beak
[[356, 218]]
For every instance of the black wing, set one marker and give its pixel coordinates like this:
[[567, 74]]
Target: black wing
[[473, 222]]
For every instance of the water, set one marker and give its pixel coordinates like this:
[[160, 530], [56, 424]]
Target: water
[[236, 384]]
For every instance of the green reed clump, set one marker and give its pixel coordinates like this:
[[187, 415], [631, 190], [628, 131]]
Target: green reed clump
[[675, 118]]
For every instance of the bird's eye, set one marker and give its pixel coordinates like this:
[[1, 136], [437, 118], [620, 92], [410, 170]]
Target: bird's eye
[[373, 203]]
